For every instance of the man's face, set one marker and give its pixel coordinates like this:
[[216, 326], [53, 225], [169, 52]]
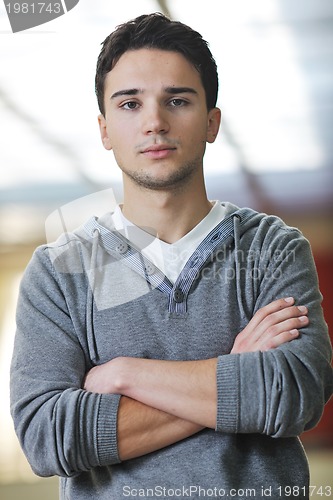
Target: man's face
[[156, 119]]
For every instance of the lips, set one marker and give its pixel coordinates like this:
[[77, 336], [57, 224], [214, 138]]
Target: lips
[[158, 151], [158, 147]]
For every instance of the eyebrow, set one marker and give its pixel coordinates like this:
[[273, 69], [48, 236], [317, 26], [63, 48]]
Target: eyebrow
[[167, 90], [125, 92]]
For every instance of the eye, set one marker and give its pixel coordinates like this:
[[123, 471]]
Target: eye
[[177, 102], [130, 105]]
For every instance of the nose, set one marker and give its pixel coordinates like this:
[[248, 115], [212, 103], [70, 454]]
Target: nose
[[155, 120]]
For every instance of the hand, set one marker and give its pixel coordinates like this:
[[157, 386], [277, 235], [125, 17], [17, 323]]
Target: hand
[[102, 379], [275, 324]]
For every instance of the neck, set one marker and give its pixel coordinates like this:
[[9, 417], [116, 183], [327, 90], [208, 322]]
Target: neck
[[169, 214]]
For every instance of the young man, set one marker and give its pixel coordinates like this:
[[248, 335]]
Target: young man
[[175, 347]]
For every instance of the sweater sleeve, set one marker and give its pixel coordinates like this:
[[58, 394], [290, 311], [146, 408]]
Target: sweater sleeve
[[62, 429], [281, 392]]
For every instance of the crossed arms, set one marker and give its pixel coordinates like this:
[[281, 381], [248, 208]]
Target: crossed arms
[[166, 401], [65, 430]]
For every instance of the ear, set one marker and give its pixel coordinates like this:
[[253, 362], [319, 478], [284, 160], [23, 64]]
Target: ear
[[214, 120], [104, 133]]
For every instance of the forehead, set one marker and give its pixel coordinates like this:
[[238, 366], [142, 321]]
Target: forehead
[[147, 68]]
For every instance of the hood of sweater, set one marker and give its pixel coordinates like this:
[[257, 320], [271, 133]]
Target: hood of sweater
[[103, 235]]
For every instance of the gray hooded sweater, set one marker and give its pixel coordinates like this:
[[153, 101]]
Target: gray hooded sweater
[[92, 296]]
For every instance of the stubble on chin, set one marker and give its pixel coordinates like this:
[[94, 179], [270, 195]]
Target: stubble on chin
[[175, 180]]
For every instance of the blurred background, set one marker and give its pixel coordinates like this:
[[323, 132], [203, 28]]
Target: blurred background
[[274, 151]]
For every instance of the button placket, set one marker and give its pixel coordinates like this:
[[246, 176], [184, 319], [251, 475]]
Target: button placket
[[121, 247], [195, 261], [178, 295], [215, 237], [149, 268]]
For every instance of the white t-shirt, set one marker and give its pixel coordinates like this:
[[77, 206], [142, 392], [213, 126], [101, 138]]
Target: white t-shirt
[[170, 258]]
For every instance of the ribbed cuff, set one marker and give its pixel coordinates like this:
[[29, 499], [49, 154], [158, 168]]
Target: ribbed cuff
[[227, 393], [107, 445]]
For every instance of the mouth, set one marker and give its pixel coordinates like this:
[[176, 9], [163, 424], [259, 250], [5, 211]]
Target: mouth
[[158, 151]]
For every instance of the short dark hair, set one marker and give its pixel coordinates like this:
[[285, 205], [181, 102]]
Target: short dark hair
[[157, 31]]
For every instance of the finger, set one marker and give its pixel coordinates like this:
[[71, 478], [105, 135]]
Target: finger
[[283, 315], [290, 324], [272, 307], [276, 305], [280, 339], [268, 322], [284, 326], [274, 320]]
